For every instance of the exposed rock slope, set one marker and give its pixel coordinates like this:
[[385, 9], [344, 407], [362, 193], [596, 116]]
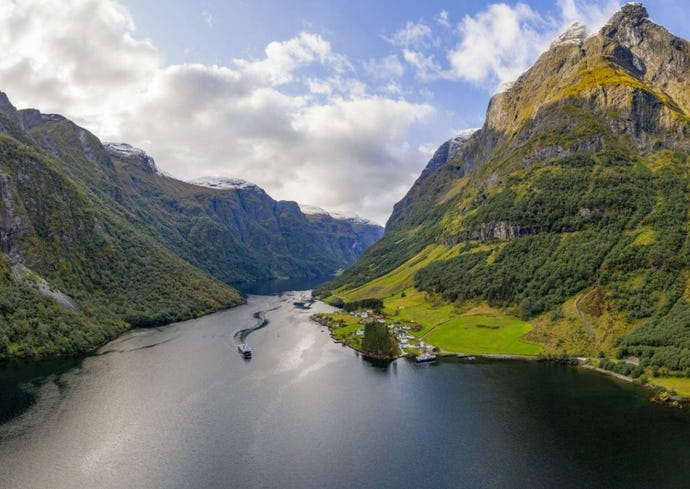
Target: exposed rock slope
[[576, 183]]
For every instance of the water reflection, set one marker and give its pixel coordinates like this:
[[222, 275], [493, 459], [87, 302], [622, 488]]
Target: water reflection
[[278, 286], [309, 413], [21, 382]]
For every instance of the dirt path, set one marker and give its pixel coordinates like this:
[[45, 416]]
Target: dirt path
[[590, 329]]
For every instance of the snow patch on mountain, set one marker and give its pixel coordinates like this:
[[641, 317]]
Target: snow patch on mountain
[[447, 152], [124, 150], [573, 35], [456, 143], [223, 183], [353, 219], [312, 210]]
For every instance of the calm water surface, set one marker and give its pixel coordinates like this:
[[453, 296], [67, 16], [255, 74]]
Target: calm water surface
[[178, 407]]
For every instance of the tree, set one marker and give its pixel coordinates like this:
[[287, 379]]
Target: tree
[[378, 341]]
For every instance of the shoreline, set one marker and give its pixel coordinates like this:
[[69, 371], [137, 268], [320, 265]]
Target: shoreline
[[659, 397], [92, 351], [489, 356], [361, 352], [649, 386]]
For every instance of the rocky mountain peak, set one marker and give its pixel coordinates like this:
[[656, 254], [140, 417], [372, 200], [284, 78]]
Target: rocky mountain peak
[[6, 106], [627, 25], [651, 53], [633, 13], [573, 35], [632, 68]]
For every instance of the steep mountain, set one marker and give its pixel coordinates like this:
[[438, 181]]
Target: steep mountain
[[347, 236], [424, 189], [568, 207], [232, 228], [95, 239], [229, 228], [76, 270]]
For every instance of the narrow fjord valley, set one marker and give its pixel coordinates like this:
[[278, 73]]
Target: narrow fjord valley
[[461, 346], [96, 240], [562, 224]]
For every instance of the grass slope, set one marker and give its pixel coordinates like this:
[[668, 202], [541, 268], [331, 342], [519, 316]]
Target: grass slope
[[477, 330], [610, 222]]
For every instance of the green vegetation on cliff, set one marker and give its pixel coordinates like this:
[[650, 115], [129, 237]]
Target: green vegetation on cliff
[[94, 240], [74, 271], [569, 208]]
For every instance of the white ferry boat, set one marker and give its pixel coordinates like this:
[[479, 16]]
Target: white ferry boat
[[245, 350]]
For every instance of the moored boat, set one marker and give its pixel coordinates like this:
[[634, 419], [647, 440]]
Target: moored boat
[[425, 357]]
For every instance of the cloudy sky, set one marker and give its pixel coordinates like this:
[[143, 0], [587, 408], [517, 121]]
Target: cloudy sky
[[335, 104]]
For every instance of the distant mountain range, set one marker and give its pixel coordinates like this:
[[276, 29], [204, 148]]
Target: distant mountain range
[[95, 239]]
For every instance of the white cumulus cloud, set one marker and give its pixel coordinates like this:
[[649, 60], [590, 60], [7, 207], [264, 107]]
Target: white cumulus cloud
[[80, 56], [592, 14], [499, 43], [442, 18], [320, 137], [385, 68], [425, 66], [413, 35]]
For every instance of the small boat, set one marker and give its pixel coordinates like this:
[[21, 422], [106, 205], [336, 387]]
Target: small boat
[[425, 357], [245, 350]]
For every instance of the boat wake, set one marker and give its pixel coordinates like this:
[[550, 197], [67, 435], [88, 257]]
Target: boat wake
[[240, 337]]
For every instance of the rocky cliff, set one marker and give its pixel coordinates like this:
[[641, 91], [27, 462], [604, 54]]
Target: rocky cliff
[[576, 187], [95, 239]]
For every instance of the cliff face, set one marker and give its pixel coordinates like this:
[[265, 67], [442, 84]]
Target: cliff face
[[348, 237], [94, 239], [578, 179], [625, 86], [235, 230], [429, 188]]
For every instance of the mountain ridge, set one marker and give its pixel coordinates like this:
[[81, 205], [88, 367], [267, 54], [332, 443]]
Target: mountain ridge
[[577, 183], [95, 239]]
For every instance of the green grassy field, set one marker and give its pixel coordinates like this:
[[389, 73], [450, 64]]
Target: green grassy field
[[483, 334], [480, 330], [679, 384], [346, 332], [473, 329]]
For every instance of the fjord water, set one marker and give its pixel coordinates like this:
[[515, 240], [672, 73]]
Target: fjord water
[[178, 407]]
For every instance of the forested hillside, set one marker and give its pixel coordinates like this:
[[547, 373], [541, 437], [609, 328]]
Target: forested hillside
[[95, 239], [569, 207]]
